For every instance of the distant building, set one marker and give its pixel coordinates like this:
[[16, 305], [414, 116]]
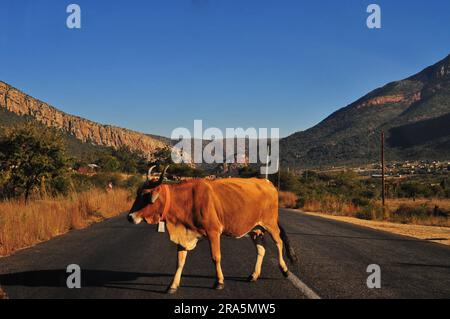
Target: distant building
[[89, 169]]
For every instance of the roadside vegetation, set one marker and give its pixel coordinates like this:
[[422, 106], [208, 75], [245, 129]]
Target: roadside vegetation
[[424, 201], [25, 224]]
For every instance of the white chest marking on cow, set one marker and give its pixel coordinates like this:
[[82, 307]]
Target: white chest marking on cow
[[182, 236]]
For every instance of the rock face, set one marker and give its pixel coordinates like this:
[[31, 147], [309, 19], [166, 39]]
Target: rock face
[[414, 113], [400, 98], [86, 131]]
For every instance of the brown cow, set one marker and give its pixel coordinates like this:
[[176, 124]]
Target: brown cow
[[197, 208]]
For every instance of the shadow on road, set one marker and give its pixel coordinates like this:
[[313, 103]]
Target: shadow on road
[[97, 278]]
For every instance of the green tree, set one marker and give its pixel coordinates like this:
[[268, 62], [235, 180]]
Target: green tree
[[163, 156], [108, 163], [31, 156], [130, 162], [288, 181]]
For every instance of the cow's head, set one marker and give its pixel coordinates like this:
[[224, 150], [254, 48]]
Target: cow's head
[[146, 205]]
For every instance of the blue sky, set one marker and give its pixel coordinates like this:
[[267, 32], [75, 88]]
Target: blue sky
[[154, 65]]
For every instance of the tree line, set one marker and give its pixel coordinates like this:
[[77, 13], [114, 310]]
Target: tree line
[[34, 159]]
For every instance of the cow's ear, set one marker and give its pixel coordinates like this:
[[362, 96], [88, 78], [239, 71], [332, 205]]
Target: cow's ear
[[155, 196]]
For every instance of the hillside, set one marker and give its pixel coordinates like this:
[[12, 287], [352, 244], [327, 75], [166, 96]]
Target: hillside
[[414, 113], [81, 134]]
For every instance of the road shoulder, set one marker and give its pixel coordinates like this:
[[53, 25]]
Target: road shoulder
[[430, 233]]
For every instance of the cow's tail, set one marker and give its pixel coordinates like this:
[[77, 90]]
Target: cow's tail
[[292, 256]]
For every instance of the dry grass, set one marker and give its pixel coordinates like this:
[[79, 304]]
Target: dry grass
[[23, 225], [427, 212], [287, 200], [430, 233], [331, 204], [394, 204]]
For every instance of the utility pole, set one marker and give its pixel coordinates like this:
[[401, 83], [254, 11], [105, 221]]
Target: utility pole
[[279, 174], [383, 185]]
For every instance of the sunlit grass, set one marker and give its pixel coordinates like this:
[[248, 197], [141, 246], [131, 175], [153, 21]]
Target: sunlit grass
[[23, 225], [429, 212]]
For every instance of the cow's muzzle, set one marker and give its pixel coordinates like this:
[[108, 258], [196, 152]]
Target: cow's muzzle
[[134, 219]]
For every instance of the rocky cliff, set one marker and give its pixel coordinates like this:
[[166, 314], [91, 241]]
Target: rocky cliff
[[84, 130]]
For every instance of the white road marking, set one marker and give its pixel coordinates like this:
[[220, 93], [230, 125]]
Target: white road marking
[[300, 285]]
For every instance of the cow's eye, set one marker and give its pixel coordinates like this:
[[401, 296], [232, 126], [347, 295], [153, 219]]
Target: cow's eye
[[146, 197]]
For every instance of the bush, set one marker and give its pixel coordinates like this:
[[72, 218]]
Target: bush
[[370, 211], [364, 214], [60, 186], [410, 211], [289, 182], [133, 182], [101, 180], [287, 199], [358, 201], [301, 202], [81, 183], [108, 163]]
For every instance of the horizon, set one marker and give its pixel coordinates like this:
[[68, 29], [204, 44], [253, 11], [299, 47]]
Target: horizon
[[260, 74]]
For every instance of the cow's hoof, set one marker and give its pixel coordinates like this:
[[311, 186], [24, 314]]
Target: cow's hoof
[[219, 286], [284, 272], [251, 279], [171, 290]]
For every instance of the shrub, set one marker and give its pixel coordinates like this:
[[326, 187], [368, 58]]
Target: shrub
[[300, 202], [364, 214], [133, 182], [370, 211], [81, 183], [60, 185], [287, 200], [408, 211], [101, 180], [358, 201]]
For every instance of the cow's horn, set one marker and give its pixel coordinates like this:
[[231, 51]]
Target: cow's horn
[[161, 178], [149, 173]]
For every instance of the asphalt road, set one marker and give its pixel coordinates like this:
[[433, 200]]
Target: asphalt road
[[120, 260]]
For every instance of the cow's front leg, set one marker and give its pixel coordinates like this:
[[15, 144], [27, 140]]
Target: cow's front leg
[[182, 253], [214, 241]]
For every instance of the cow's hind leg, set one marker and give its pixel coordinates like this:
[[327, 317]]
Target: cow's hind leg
[[258, 240], [182, 253], [214, 241], [275, 232]]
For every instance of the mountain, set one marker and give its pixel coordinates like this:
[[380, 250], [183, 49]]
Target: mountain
[[414, 113], [82, 134]]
